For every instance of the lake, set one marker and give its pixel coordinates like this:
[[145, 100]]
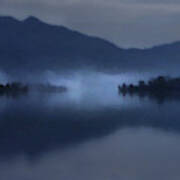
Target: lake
[[90, 132]]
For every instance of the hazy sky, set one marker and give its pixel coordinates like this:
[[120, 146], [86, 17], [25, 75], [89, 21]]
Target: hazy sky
[[128, 23]]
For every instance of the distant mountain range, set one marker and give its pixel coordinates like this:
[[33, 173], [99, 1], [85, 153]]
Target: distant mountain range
[[33, 45]]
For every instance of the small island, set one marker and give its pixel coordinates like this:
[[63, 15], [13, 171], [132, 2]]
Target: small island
[[16, 88], [160, 88], [13, 89]]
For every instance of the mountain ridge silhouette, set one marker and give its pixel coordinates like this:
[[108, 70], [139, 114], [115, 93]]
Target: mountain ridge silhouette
[[34, 44]]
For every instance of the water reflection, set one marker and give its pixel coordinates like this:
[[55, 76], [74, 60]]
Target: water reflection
[[159, 97], [37, 123], [133, 154], [93, 135]]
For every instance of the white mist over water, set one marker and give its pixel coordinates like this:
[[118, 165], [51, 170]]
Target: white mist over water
[[92, 90], [89, 90], [88, 80]]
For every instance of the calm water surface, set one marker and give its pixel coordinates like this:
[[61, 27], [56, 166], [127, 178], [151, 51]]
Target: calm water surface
[[95, 134]]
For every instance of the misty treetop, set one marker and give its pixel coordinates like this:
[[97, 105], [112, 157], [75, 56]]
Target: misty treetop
[[160, 88]]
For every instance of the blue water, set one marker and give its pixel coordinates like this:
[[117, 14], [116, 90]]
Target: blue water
[[89, 133]]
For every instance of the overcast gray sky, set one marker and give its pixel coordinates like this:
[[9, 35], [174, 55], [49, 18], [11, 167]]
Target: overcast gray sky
[[128, 23]]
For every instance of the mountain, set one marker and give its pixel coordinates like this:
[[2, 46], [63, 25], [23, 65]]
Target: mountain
[[33, 45]]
